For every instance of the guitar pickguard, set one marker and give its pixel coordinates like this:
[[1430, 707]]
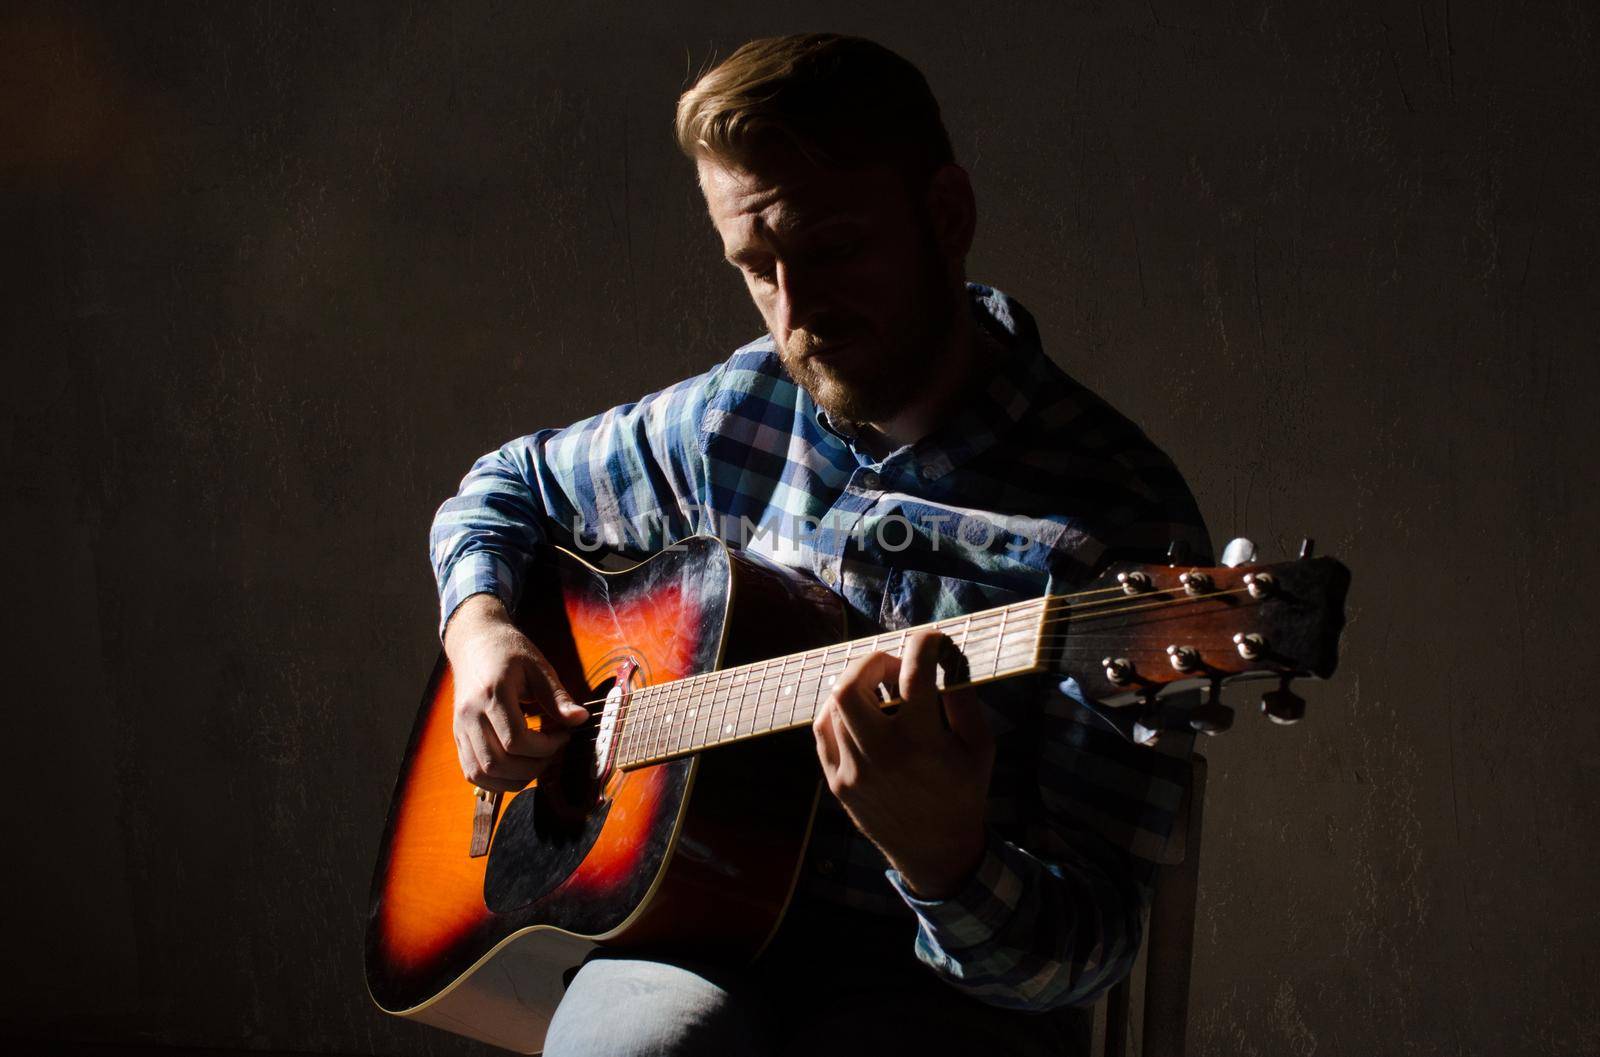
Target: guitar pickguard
[[547, 831]]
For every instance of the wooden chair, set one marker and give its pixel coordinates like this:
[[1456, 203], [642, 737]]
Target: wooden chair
[[1169, 947]]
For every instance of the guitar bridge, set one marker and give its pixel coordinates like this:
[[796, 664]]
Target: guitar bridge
[[486, 808]]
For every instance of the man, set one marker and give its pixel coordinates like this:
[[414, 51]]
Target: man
[[900, 434]]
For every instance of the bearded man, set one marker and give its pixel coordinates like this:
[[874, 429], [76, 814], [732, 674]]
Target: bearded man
[[900, 434]]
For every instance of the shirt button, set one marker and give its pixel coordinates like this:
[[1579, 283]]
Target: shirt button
[[829, 577], [929, 472], [870, 480], [826, 867]]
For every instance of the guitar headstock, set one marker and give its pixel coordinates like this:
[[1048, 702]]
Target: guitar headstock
[[1140, 631]]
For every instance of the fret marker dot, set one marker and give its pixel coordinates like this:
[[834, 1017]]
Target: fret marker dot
[[788, 690], [728, 729], [692, 711], [669, 717]]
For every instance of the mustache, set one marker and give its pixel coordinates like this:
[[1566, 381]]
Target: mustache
[[813, 340]]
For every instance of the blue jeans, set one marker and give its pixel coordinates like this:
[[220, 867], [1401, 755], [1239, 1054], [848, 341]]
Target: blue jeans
[[832, 982]]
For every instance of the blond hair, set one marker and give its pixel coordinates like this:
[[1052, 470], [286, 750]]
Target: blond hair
[[839, 101]]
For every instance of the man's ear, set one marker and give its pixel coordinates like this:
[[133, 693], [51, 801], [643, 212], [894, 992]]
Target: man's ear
[[953, 210]]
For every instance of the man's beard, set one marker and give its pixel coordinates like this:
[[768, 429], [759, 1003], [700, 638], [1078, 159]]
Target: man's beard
[[874, 385]]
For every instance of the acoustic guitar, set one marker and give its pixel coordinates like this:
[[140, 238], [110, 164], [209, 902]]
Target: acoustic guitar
[[677, 818]]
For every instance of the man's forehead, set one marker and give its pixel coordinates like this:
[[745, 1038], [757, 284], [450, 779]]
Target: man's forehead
[[744, 199]]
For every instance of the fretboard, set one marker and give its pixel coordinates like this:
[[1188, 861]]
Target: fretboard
[[673, 719]]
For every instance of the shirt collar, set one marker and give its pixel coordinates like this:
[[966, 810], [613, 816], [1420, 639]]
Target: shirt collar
[[1004, 399]]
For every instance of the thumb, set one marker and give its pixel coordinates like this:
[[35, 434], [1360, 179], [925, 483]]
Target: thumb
[[568, 711]]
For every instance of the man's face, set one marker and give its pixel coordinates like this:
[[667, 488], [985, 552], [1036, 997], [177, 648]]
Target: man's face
[[847, 273]]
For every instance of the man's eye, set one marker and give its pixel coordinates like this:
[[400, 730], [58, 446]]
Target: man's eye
[[762, 275]]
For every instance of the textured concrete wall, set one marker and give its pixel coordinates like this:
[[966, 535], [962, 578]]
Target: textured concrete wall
[[275, 274]]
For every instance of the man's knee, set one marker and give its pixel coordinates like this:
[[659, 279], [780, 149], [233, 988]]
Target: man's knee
[[622, 1007]]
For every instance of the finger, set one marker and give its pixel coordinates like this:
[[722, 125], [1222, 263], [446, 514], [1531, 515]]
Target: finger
[[969, 721], [550, 697], [496, 769], [858, 703], [510, 726], [827, 741], [466, 758], [841, 758], [918, 685]]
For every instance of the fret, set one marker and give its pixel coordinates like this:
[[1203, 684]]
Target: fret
[[713, 708], [999, 642], [700, 708], [716, 707], [767, 706], [671, 719], [683, 715], [722, 696], [771, 696], [767, 700], [749, 701], [644, 717], [677, 704], [733, 704], [658, 725], [659, 711], [744, 718], [943, 678], [639, 722], [979, 642], [785, 700]]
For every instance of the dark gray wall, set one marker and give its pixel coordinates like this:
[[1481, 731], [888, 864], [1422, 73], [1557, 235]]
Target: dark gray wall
[[274, 275]]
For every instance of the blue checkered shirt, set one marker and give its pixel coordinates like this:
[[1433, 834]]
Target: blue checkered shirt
[[1027, 488]]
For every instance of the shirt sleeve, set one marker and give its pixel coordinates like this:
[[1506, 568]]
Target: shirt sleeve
[[1031, 934], [631, 479], [1056, 917]]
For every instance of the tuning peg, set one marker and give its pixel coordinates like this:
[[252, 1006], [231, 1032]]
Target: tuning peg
[[1283, 705], [1211, 718], [1239, 551]]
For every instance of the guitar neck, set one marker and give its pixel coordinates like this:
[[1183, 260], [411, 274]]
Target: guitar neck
[[673, 719]]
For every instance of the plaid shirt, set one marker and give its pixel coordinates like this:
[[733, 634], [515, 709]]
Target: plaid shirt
[[1027, 488]]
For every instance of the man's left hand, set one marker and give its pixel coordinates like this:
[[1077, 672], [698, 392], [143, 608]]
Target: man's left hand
[[916, 782]]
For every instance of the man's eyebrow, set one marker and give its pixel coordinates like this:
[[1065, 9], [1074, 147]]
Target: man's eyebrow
[[803, 228]]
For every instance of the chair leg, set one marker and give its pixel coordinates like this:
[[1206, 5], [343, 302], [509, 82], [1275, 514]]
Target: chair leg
[[1117, 1020], [1170, 950]]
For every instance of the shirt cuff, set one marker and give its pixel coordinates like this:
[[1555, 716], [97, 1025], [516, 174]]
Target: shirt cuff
[[981, 908], [475, 573]]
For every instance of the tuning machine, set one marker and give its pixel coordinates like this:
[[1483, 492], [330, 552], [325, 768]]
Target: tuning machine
[[1239, 551], [1211, 716], [1283, 705]]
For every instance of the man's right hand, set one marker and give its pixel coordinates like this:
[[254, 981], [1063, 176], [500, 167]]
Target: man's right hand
[[500, 678]]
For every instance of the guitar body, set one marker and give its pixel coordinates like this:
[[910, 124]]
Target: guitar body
[[697, 855]]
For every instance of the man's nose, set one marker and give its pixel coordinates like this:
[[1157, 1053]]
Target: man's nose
[[800, 296]]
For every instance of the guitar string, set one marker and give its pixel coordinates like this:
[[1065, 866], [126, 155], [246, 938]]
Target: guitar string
[[1046, 601], [1048, 607], [1027, 643]]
